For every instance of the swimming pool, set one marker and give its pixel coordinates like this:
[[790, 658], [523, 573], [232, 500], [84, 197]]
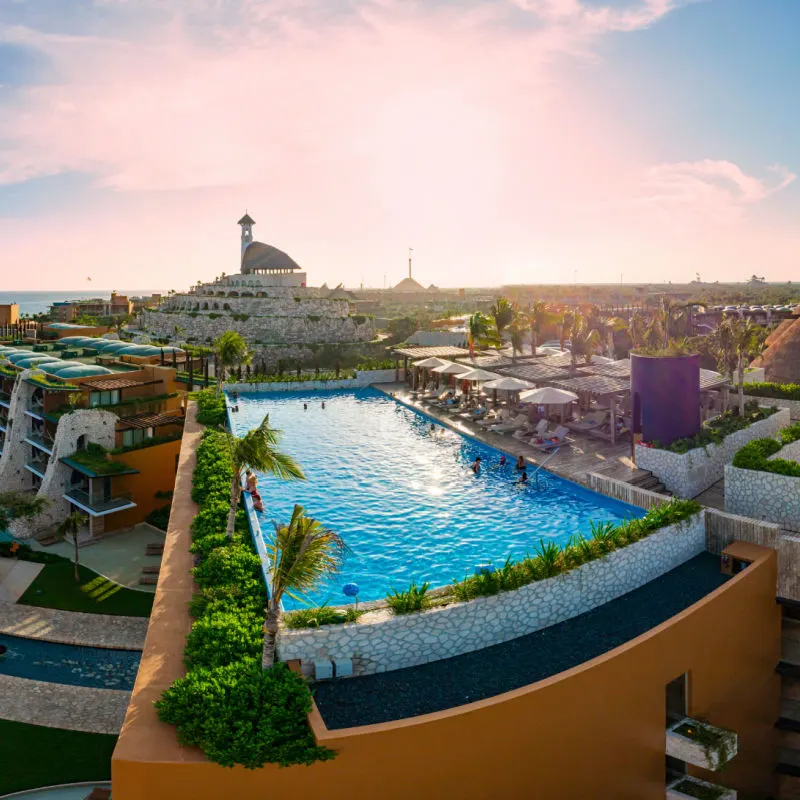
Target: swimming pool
[[66, 663], [405, 501]]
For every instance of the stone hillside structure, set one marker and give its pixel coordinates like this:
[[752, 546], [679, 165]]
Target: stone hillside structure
[[268, 302]]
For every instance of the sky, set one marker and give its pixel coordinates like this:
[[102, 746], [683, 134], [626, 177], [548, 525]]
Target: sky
[[506, 141]]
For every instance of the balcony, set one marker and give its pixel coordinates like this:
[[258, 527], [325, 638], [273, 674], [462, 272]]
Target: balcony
[[5, 400], [38, 466], [35, 409], [689, 788], [99, 506], [701, 744], [40, 442]]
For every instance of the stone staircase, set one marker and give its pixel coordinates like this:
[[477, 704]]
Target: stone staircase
[[646, 480]]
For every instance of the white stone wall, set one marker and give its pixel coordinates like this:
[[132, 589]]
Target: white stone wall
[[765, 495], [13, 475], [264, 330], [408, 640], [98, 427], [361, 380], [689, 474]]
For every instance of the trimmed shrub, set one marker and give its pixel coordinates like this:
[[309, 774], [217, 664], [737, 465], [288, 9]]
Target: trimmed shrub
[[780, 391], [241, 714]]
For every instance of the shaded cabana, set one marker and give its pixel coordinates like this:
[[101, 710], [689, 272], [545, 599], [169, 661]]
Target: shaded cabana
[[415, 353]]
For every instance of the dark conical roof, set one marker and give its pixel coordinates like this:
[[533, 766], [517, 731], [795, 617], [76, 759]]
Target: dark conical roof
[[246, 220], [258, 255], [408, 285]]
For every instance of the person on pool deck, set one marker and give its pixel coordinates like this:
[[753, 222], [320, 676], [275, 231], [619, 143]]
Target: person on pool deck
[[523, 478], [520, 464], [476, 465]]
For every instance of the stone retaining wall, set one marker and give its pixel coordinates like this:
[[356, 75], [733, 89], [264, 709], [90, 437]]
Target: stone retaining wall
[[792, 405], [765, 495], [394, 642], [361, 380], [689, 474]]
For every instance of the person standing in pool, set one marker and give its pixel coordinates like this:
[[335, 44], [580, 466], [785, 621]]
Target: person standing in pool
[[523, 479], [305, 406], [502, 461], [520, 464], [323, 405], [476, 465]]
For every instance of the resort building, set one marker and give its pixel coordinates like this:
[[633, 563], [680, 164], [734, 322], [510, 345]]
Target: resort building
[[9, 314], [98, 438], [268, 301], [117, 305]]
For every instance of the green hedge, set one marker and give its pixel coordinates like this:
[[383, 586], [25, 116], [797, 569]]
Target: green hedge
[[755, 455], [210, 408], [551, 560], [227, 705], [780, 391]]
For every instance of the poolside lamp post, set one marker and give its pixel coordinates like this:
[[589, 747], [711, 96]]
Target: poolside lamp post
[[351, 590]]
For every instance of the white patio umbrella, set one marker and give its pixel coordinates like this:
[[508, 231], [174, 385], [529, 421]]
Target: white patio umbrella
[[430, 363], [507, 384], [451, 368], [478, 376], [548, 396]]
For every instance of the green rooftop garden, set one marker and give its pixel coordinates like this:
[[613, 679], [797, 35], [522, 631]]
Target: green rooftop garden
[[40, 379], [755, 455], [94, 459], [779, 391]]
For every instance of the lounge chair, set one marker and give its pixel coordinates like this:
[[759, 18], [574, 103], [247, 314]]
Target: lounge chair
[[558, 438], [495, 418], [150, 570], [540, 431], [594, 419], [511, 425], [148, 580]]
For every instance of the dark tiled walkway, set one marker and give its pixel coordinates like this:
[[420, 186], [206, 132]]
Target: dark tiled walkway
[[485, 673]]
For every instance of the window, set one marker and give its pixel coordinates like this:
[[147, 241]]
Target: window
[[103, 398], [135, 436]]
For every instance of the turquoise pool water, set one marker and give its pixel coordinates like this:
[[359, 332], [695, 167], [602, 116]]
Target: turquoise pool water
[[97, 667], [405, 501]]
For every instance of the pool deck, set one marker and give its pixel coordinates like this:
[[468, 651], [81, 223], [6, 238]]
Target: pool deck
[[574, 460], [16, 577], [453, 682], [73, 627], [57, 705]]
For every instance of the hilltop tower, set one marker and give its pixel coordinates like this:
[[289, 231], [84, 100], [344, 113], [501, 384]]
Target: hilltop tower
[[247, 223]]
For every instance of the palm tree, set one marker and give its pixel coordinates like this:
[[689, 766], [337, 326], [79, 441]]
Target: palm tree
[[482, 332], [611, 325], [18, 505], [584, 340], [302, 554], [537, 314], [503, 314], [734, 342], [564, 322], [256, 450], [71, 527], [637, 329], [231, 350], [516, 333]]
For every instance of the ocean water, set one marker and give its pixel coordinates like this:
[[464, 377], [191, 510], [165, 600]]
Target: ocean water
[[405, 501], [39, 302]]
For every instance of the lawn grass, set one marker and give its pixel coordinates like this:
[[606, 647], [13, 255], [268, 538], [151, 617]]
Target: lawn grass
[[34, 756], [55, 587]]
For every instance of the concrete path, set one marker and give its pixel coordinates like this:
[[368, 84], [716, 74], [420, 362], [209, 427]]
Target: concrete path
[[119, 556], [73, 627], [15, 578], [57, 705]]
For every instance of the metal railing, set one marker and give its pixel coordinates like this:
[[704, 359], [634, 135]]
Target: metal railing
[[97, 504]]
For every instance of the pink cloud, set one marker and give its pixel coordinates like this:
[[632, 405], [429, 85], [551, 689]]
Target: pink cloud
[[348, 137]]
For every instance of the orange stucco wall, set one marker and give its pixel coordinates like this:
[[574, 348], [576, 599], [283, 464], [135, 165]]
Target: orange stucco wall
[[596, 731], [157, 468]]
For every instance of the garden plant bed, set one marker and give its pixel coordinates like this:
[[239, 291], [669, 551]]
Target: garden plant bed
[[689, 473]]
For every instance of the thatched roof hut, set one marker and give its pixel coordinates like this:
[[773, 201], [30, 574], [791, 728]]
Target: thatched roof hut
[[781, 359]]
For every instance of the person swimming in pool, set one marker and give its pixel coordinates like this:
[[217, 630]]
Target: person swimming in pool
[[523, 479], [502, 461], [520, 464], [476, 465]]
